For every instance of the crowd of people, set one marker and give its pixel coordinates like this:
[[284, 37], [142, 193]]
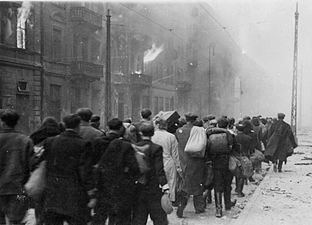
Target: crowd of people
[[123, 174]]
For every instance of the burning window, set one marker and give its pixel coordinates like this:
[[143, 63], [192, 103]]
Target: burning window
[[23, 20]]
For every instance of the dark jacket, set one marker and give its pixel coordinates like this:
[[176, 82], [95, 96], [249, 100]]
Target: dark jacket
[[100, 145], [118, 172], [156, 176], [15, 153], [89, 133], [67, 179], [193, 168], [245, 144]]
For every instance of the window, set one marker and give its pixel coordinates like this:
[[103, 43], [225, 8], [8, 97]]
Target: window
[[55, 93], [167, 104], [95, 51], [57, 44], [172, 103], [161, 104], [146, 102], [21, 32], [156, 105]]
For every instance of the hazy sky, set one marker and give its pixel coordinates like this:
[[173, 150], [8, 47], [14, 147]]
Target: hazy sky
[[265, 31]]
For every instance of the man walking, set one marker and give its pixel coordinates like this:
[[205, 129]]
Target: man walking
[[15, 151], [193, 170], [67, 183], [220, 145], [281, 139], [153, 183]]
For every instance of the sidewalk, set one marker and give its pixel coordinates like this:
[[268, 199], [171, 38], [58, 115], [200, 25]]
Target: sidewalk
[[284, 198]]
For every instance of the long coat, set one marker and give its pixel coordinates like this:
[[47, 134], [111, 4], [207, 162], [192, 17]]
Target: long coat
[[193, 168], [67, 186], [281, 139], [118, 172], [170, 158]]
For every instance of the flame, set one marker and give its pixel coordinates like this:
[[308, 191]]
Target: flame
[[152, 53], [24, 12]]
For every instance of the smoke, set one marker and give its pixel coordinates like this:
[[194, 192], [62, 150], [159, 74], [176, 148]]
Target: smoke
[[152, 53]]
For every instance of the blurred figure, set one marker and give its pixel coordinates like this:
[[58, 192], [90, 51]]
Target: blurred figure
[[15, 152], [86, 130], [153, 183], [116, 130], [146, 116], [67, 180], [171, 159], [95, 122], [48, 128], [116, 184], [244, 142], [281, 138], [207, 119], [258, 136]]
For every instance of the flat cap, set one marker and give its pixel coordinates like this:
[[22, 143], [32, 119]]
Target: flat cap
[[191, 115]]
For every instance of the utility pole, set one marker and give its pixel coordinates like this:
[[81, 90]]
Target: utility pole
[[108, 100], [300, 101], [295, 78]]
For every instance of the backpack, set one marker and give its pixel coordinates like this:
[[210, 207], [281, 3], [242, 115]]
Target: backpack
[[139, 152], [219, 141]]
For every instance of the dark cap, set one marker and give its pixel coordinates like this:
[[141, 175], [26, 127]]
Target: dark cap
[[190, 116], [280, 115], [208, 118]]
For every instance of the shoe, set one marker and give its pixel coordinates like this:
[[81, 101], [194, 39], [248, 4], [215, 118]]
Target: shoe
[[251, 179], [275, 167], [199, 211], [218, 212], [232, 204], [279, 170], [241, 195]]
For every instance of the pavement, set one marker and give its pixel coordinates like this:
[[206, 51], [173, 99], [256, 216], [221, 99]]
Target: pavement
[[276, 198]]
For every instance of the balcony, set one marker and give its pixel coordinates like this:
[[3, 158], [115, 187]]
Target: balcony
[[87, 17], [183, 86], [81, 69], [141, 80]]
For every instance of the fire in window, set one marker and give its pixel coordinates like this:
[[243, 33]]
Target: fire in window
[[23, 20]]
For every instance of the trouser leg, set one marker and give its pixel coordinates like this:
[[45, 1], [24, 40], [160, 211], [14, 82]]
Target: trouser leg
[[157, 214], [228, 177], [51, 218], [182, 203], [280, 164], [218, 200], [199, 203]]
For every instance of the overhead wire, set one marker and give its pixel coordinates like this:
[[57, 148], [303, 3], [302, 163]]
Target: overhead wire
[[224, 28], [152, 21]]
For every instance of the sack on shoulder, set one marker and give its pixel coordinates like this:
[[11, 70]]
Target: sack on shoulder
[[37, 181], [247, 167], [234, 165], [219, 142], [196, 144]]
